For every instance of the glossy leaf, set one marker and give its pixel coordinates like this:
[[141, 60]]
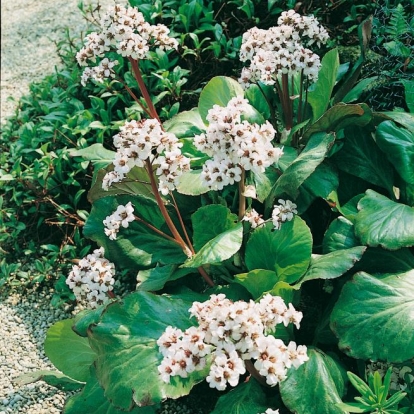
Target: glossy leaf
[[333, 264], [340, 235], [322, 182], [320, 95], [338, 117], [316, 386], [383, 222], [360, 156], [127, 354], [246, 398], [286, 251], [257, 281], [191, 184], [398, 144], [373, 317], [69, 352], [304, 165], [221, 248], [96, 153], [136, 247], [218, 91], [92, 400], [137, 183], [185, 124], [210, 221], [53, 378], [151, 280]]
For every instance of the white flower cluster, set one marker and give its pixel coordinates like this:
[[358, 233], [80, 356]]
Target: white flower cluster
[[138, 141], [283, 212], [398, 375], [234, 144], [121, 217], [229, 333], [125, 31], [92, 278], [280, 49]]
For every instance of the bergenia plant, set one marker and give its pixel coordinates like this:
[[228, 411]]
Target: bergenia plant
[[244, 220]]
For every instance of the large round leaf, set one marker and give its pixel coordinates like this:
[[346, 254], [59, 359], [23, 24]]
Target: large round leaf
[[316, 386], [340, 235], [374, 317], [398, 144], [246, 398], [91, 400], [218, 91], [69, 352], [286, 251], [127, 353], [333, 264], [137, 246], [383, 222]]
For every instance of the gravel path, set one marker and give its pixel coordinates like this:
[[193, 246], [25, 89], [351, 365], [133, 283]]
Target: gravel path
[[28, 53], [29, 29]]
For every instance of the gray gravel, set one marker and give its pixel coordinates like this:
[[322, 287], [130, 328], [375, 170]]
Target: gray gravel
[[24, 322], [28, 53], [29, 29]]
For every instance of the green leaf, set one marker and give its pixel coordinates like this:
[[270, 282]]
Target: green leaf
[[322, 182], [378, 260], [332, 265], [53, 378], [221, 248], [403, 118], [93, 401], [373, 317], [354, 407], [383, 222], [398, 144], [246, 398], [185, 124], [286, 251], [338, 117], [210, 221], [409, 93], [96, 153], [218, 91], [320, 96], [304, 165], [256, 98], [340, 235], [154, 279], [136, 183], [125, 341], [360, 156], [263, 182], [257, 281], [69, 352], [316, 386], [191, 184], [136, 247]]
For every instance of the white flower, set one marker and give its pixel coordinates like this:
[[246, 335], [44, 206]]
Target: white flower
[[92, 278], [228, 334], [254, 218], [121, 217], [283, 212]]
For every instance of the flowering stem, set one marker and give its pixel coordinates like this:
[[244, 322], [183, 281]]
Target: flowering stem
[[150, 226], [143, 88], [134, 97], [111, 294], [287, 103], [254, 373], [164, 212], [242, 197]]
